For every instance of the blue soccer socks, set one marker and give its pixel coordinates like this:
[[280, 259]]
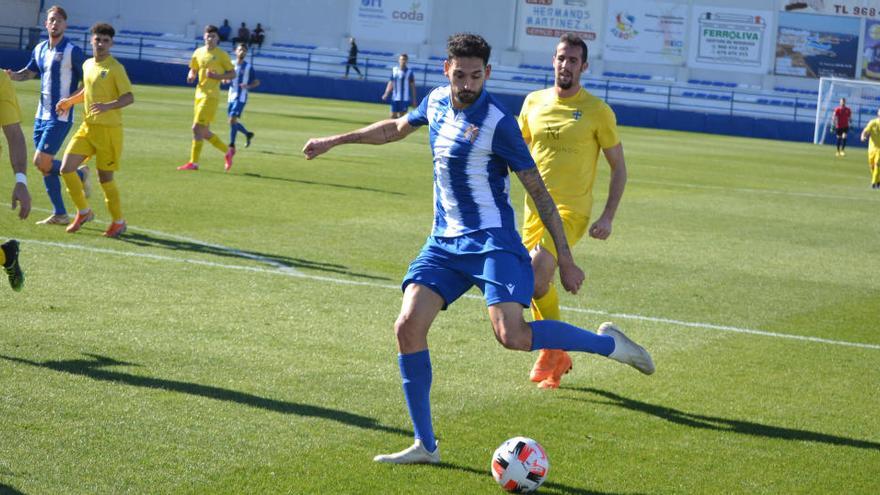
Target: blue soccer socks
[[415, 369], [554, 334]]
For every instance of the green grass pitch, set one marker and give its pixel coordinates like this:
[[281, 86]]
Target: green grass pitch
[[239, 338]]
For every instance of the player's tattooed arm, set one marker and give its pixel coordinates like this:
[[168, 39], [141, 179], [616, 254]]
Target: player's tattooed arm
[[571, 276], [384, 131]]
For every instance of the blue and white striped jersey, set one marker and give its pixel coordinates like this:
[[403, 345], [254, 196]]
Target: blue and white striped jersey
[[244, 74], [400, 80], [473, 149], [60, 69]]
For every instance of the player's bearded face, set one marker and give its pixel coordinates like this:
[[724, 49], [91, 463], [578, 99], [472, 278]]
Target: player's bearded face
[[466, 78], [55, 24], [568, 66]]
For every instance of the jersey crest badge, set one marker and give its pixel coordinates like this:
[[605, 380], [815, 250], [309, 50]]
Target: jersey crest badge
[[471, 133], [576, 114], [103, 74]]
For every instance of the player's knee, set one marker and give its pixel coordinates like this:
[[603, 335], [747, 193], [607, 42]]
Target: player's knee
[[406, 330], [511, 334]]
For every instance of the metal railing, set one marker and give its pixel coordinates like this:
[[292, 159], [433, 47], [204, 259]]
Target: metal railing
[[376, 66]]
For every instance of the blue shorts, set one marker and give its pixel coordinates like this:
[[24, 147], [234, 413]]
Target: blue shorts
[[399, 106], [502, 276], [235, 108], [49, 135]]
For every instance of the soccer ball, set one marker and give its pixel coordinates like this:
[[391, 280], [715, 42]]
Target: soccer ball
[[520, 465]]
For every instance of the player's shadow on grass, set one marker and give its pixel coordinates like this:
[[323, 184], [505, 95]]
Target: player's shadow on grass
[[94, 368], [272, 260], [324, 184], [8, 490], [726, 425], [547, 487]]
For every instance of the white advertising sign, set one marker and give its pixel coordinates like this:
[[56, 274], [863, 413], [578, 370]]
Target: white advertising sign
[[646, 32], [540, 23], [406, 21], [730, 39]]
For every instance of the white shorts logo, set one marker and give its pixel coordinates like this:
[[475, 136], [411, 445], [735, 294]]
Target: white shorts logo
[[510, 288]]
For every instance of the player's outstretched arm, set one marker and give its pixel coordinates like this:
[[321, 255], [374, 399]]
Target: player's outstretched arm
[[384, 131], [22, 75], [570, 274], [18, 156], [601, 228]]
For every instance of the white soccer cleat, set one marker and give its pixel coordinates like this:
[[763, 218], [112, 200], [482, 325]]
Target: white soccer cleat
[[415, 454], [626, 351]]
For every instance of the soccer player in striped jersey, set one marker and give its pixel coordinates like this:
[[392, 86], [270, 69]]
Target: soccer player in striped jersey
[[475, 144], [209, 65], [243, 81], [565, 127], [58, 61], [401, 87], [106, 90], [10, 121]]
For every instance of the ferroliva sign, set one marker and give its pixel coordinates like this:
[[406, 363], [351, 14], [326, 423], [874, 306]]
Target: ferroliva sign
[[404, 21], [730, 39]]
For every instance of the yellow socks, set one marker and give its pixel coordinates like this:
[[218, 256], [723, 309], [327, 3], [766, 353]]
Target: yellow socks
[[875, 175], [75, 190], [196, 151], [547, 307], [217, 143], [111, 197]]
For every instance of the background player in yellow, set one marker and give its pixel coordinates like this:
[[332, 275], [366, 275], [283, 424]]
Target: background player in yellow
[[106, 89], [872, 132], [210, 65], [10, 120], [565, 127]]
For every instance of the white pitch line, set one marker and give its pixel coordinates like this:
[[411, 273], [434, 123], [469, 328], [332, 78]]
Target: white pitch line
[[756, 191], [235, 252], [295, 274]]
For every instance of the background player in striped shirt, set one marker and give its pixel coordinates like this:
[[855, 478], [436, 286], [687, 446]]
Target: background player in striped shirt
[[58, 62], [243, 81], [401, 87], [474, 241]]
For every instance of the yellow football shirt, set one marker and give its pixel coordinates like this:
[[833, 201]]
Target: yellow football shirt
[[873, 131], [104, 81], [564, 137], [203, 60], [9, 110]]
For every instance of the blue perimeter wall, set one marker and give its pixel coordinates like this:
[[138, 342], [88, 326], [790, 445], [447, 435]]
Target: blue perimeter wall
[[149, 72]]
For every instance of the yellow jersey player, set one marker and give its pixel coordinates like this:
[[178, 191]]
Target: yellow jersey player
[[210, 65], [872, 132], [565, 127], [10, 120], [106, 89]]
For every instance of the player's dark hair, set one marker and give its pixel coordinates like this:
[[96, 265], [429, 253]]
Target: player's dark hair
[[243, 45], [404, 56], [572, 39], [57, 8], [210, 28], [468, 45], [103, 28]]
